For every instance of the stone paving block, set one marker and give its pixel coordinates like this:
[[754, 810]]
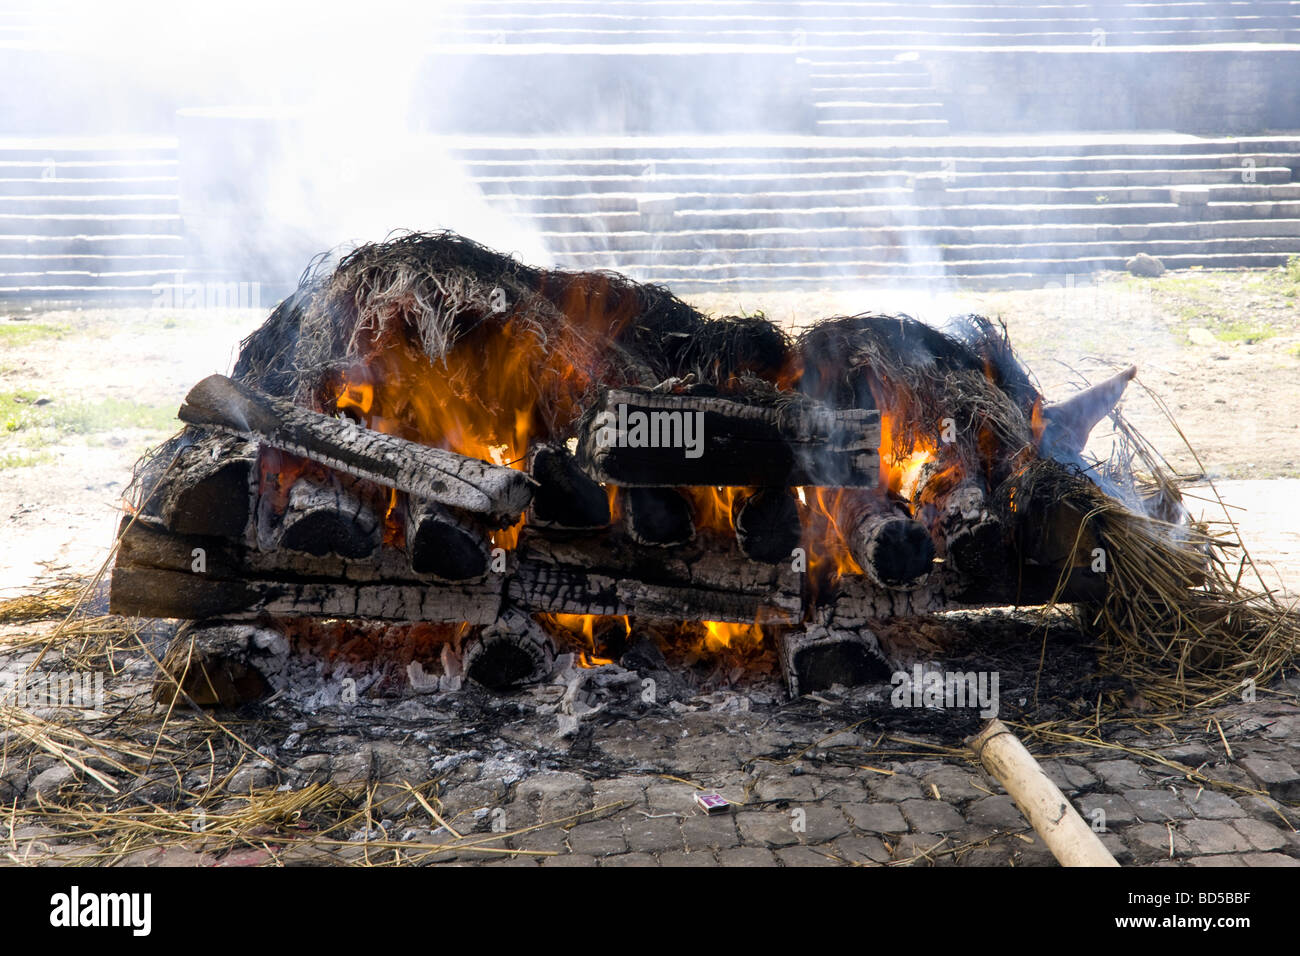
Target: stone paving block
[[555, 795], [1281, 780], [1269, 810], [601, 838], [1152, 841], [876, 817], [920, 849], [987, 856], [931, 816], [821, 824], [628, 790], [805, 856], [798, 789], [713, 832], [629, 859], [1212, 805], [698, 858], [1262, 836], [569, 859], [1219, 859], [999, 812], [1116, 847], [1120, 775], [840, 791], [671, 797], [1069, 775], [1215, 836], [548, 838], [746, 856], [766, 828], [956, 784], [894, 788], [861, 850], [653, 834], [1117, 809], [1157, 806], [1269, 859]]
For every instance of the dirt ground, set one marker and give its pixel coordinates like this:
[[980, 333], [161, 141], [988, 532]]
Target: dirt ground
[[84, 393]]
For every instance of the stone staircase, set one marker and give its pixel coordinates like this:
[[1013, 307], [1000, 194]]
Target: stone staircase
[[815, 23], [699, 214], [858, 93], [89, 219]]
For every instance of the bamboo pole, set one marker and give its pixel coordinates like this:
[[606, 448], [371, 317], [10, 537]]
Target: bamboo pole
[[1071, 841]]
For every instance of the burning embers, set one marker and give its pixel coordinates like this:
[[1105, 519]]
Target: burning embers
[[508, 465]]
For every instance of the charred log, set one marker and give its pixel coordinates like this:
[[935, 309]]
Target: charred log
[[662, 517], [767, 524], [968, 534], [565, 498], [894, 550], [448, 546], [820, 657], [511, 651], [499, 494], [327, 518], [218, 664]]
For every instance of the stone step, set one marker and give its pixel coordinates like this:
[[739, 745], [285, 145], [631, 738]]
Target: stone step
[[19, 264], [49, 167], [122, 185], [95, 245], [530, 169], [915, 252], [906, 37], [875, 110], [895, 215], [526, 188], [820, 235], [882, 127], [90, 205], [21, 224]]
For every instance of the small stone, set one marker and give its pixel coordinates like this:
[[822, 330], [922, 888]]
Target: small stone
[[876, 817], [861, 851], [822, 824], [45, 786], [1144, 265], [895, 788]]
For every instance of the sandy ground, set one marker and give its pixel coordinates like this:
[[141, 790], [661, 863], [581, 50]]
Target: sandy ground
[[1222, 350]]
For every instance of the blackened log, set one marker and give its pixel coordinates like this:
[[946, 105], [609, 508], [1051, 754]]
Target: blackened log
[[894, 550], [210, 489], [218, 664], [565, 497], [968, 533], [328, 518], [439, 542], [511, 651], [767, 524], [499, 494], [654, 439], [150, 592], [820, 657], [658, 516]]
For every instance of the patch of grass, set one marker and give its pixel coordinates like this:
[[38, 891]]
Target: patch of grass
[[17, 334], [20, 460], [1292, 269], [1244, 332], [26, 410]]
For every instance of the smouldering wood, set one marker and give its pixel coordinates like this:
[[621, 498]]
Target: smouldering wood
[[499, 494], [439, 542]]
